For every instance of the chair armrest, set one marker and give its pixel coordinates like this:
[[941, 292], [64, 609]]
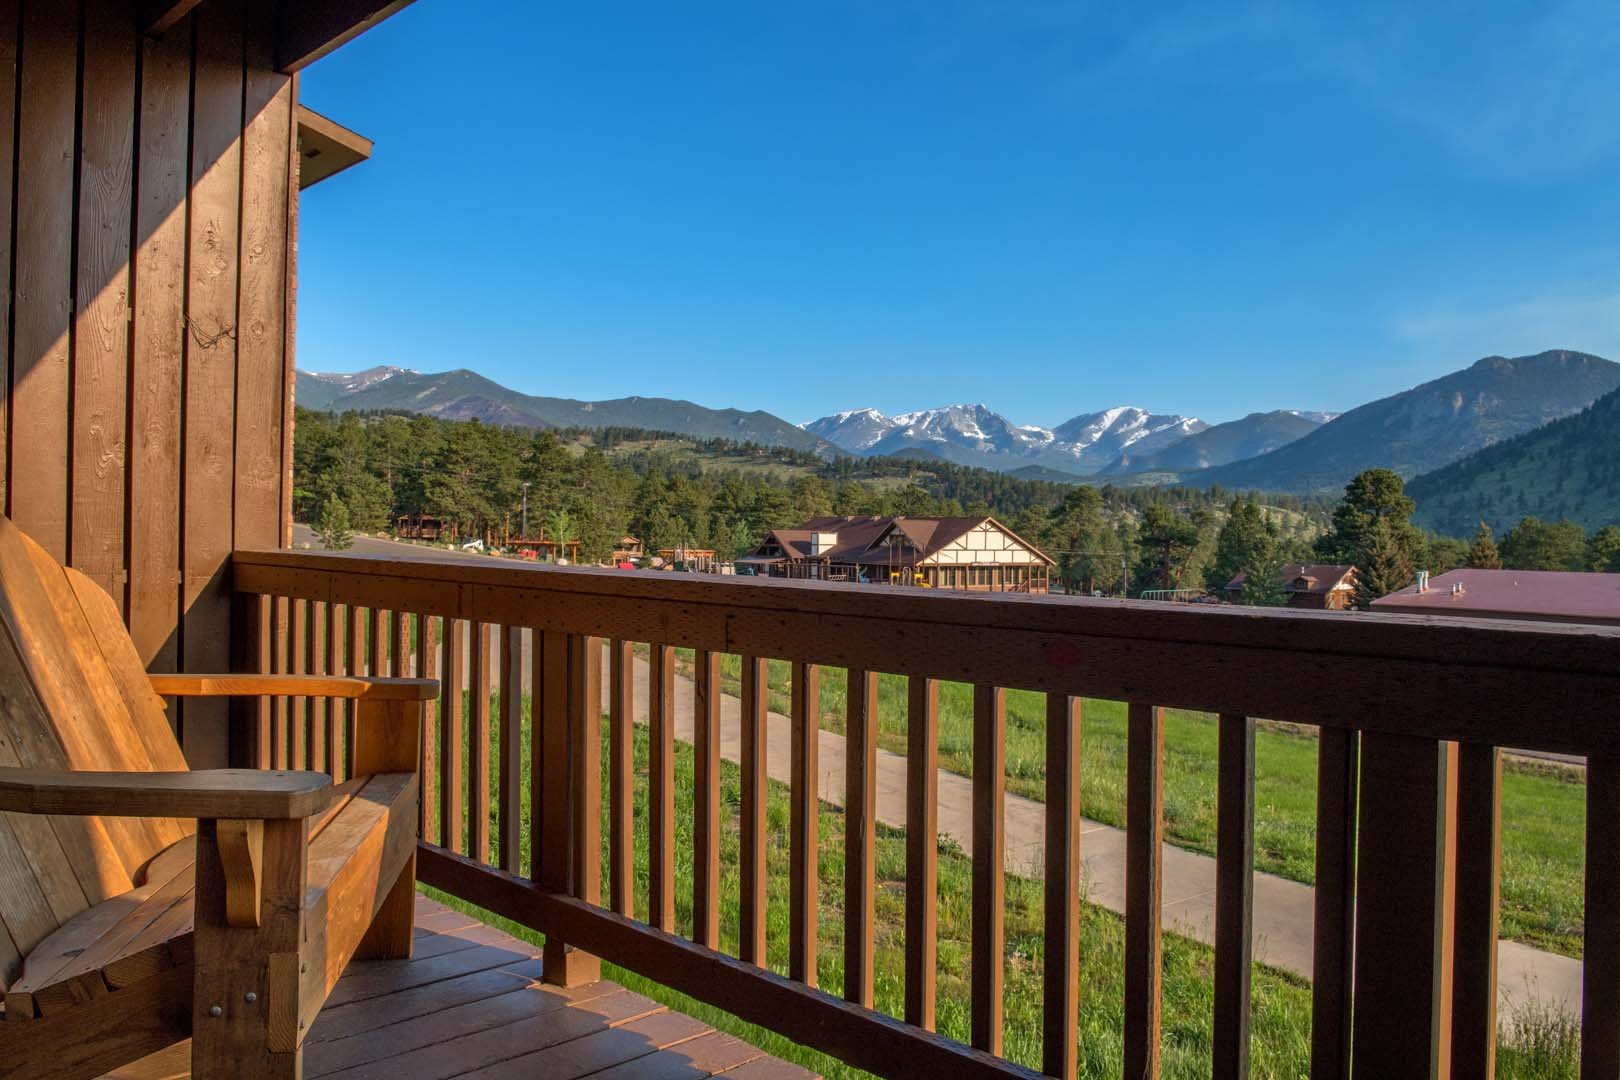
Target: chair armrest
[[256, 794], [316, 686]]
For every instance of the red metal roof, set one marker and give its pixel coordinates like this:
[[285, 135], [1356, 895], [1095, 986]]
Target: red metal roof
[[1556, 595]]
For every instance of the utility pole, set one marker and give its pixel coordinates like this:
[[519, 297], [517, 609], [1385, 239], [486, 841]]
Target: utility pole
[[525, 509]]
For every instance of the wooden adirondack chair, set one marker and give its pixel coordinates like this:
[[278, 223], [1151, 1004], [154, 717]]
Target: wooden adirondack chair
[[140, 902]]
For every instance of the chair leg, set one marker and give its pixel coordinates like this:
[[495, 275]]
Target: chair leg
[[393, 930], [247, 1009]]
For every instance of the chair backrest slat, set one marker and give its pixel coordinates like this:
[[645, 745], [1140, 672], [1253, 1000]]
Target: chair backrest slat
[[73, 695]]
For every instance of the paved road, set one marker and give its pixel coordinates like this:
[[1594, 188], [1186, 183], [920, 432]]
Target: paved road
[[1283, 909]]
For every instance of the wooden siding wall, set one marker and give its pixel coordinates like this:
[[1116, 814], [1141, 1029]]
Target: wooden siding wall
[[146, 290]]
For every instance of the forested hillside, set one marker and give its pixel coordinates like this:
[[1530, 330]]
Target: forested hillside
[[1567, 469], [596, 486]]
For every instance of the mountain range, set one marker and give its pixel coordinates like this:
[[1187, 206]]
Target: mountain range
[[1413, 432], [466, 395]]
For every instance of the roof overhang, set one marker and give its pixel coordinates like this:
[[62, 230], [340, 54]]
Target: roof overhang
[[326, 148], [306, 30]]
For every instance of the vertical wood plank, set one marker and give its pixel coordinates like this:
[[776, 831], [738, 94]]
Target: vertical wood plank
[[1060, 1024], [42, 309], [1234, 895], [159, 333], [511, 754], [261, 322], [538, 798], [11, 25], [860, 836], [427, 658], [755, 781], [478, 723], [706, 801], [1401, 1023], [101, 327], [250, 718], [451, 764], [1144, 854], [211, 338], [661, 788], [1479, 871], [804, 844], [1337, 781], [621, 777], [1600, 972], [922, 849], [989, 864]]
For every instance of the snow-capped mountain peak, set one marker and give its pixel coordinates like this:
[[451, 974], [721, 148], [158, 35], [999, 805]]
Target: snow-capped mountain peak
[[974, 434]]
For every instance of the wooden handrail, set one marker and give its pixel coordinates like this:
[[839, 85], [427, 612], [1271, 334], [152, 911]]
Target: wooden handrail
[[1384, 931]]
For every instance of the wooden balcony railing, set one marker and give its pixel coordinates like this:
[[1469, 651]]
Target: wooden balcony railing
[[1411, 712]]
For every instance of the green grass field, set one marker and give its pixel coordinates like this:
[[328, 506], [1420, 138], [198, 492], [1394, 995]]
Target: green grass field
[[1543, 808], [1545, 1048]]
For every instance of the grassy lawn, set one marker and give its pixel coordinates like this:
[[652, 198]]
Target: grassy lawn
[[1543, 809], [1281, 1021]]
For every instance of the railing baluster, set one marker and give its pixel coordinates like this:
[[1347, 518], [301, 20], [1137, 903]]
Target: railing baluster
[[331, 709], [314, 724], [297, 658], [1060, 1026], [250, 717], [428, 668], [450, 732], [751, 939], [377, 641], [1479, 866], [661, 788], [621, 777], [989, 864], [585, 788], [1600, 973], [1144, 855], [860, 836], [1234, 896], [400, 662], [1403, 930], [922, 849], [478, 724], [804, 831], [570, 843], [1337, 769], [511, 754], [356, 646], [706, 800], [279, 705]]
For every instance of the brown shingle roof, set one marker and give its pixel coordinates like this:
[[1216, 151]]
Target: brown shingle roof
[[1555, 595], [1318, 578], [861, 540]]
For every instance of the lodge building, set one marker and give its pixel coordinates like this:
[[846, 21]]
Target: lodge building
[[972, 554]]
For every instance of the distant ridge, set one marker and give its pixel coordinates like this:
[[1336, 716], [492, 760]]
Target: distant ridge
[[1568, 469], [1428, 426], [466, 395]]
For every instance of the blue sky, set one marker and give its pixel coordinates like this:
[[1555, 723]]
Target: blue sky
[[1051, 208]]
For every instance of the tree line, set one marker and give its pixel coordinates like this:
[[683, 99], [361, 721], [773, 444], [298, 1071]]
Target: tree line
[[365, 472]]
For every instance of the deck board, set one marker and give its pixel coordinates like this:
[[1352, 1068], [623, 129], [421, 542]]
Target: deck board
[[469, 1004]]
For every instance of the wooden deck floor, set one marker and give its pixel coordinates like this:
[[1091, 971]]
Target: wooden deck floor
[[469, 1003]]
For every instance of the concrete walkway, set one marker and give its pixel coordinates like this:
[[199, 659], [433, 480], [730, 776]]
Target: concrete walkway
[[1283, 909]]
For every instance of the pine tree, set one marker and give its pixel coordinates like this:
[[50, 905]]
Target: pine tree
[[1603, 550], [1263, 584], [1483, 555], [332, 527], [1385, 565]]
